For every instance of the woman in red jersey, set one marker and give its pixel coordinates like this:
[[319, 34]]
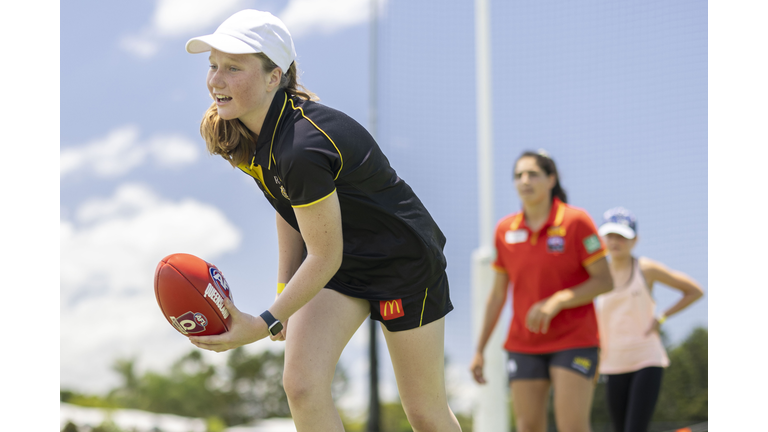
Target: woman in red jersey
[[552, 259]]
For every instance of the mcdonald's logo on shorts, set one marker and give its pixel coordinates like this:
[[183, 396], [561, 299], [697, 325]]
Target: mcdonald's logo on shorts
[[391, 309]]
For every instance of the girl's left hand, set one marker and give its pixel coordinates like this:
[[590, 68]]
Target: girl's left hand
[[280, 337], [540, 315], [245, 329]]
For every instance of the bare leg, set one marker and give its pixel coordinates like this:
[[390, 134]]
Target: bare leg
[[316, 335], [529, 399], [573, 399], [419, 362]]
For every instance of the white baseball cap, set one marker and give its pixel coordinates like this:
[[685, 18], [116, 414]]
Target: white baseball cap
[[250, 31], [619, 221]]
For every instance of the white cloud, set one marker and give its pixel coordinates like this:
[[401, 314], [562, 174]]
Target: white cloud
[[304, 17], [180, 17], [118, 241], [108, 258], [122, 150], [190, 18]]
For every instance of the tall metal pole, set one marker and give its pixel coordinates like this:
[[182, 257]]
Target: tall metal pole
[[490, 413], [374, 421]]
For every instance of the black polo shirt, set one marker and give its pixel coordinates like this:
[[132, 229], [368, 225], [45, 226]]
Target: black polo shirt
[[305, 152]]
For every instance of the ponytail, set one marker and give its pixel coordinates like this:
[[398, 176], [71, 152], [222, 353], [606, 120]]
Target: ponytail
[[231, 139]]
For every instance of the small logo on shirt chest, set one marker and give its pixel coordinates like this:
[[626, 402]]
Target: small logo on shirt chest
[[555, 244], [282, 188]]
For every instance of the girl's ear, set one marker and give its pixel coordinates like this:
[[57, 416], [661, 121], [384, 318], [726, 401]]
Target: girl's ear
[[274, 79]]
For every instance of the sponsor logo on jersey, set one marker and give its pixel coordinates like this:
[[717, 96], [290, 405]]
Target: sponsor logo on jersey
[[190, 323], [555, 244], [582, 364], [391, 309], [221, 283], [591, 243], [217, 298], [516, 236]]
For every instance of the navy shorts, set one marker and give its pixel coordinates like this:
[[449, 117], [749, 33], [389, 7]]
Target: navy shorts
[[416, 310], [536, 366]]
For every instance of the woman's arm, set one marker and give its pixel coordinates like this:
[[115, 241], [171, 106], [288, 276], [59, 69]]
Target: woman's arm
[[320, 226], [542, 312], [493, 306], [657, 272]]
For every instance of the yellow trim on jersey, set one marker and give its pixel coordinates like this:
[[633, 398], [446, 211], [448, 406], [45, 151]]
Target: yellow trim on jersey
[[594, 258], [326, 135], [535, 238], [423, 305], [256, 173], [314, 202], [271, 158], [516, 221], [560, 214], [498, 269]]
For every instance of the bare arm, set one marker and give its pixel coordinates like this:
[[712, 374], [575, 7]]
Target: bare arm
[[320, 226], [542, 312], [493, 306], [290, 247], [656, 272]]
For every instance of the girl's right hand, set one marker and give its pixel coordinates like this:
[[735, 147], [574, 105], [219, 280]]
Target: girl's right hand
[[476, 367]]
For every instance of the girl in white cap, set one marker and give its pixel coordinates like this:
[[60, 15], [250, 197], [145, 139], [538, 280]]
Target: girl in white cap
[[354, 240], [632, 356]]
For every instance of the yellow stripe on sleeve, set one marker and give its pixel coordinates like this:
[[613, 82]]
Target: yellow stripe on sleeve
[[594, 258], [498, 269], [314, 202]]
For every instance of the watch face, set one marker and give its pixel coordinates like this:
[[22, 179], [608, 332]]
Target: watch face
[[276, 328]]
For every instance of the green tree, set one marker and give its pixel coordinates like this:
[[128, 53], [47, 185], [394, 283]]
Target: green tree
[[255, 386], [684, 395], [188, 390]]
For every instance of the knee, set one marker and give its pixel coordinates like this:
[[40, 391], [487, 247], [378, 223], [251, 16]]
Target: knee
[[300, 387]]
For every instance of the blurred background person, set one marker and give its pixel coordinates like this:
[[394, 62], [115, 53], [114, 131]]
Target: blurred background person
[[552, 259], [632, 356]]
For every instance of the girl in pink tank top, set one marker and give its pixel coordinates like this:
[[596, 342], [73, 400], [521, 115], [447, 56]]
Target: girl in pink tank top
[[632, 356]]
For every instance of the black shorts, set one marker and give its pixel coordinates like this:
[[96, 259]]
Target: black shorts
[[536, 366], [416, 310]]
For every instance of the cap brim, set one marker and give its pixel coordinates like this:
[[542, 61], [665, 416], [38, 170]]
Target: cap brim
[[614, 228], [220, 42]]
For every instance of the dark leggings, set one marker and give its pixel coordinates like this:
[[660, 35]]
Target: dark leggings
[[632, 398]]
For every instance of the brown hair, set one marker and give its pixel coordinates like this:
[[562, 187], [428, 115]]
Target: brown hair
[[545, 162], [231, 139]]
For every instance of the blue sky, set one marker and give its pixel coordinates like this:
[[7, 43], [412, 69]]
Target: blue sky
[[618, 96]]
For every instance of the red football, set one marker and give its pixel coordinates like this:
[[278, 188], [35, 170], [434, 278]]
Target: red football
[[190, 293]]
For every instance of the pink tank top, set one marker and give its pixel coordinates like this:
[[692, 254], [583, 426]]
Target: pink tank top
[[623, 316]]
